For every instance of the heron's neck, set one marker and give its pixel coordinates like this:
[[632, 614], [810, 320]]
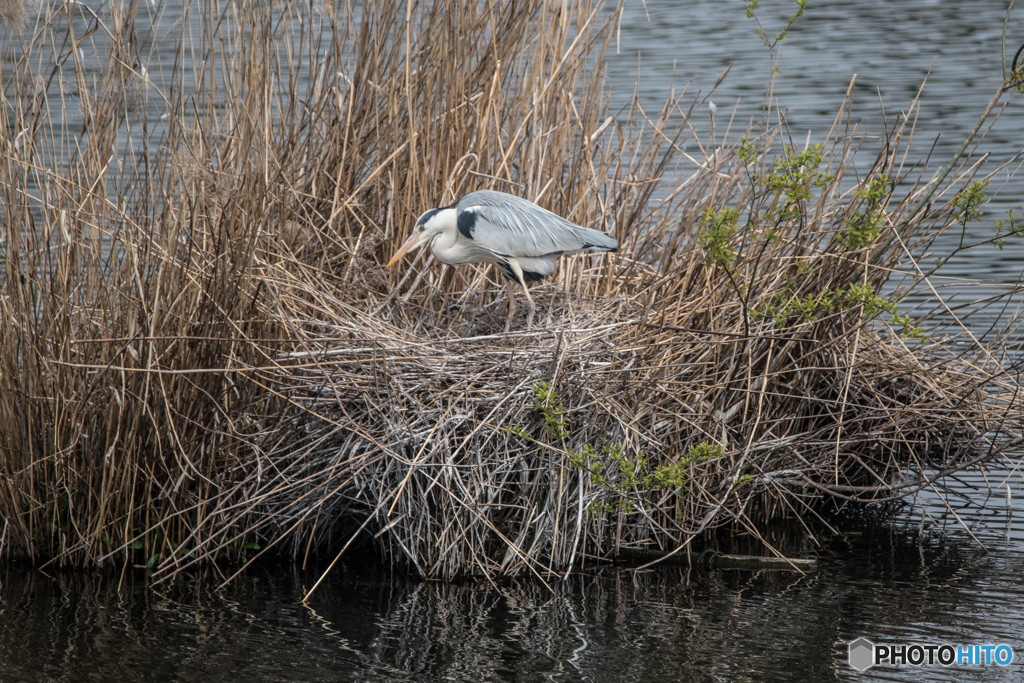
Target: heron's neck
[[446, 220], [446, 246]]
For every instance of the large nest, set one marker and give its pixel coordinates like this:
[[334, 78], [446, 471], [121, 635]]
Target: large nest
[[638, 415]]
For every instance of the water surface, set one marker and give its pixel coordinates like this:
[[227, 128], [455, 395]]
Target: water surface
[[897, 583]]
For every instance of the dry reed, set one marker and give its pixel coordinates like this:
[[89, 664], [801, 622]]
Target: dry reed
[[204, 357], [13, 13]]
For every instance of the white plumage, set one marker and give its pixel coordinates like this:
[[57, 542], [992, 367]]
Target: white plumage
[[521, 238]]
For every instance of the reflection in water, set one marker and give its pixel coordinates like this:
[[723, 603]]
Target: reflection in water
[[614, 624]]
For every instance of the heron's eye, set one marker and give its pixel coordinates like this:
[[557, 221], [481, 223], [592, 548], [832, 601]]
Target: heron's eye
[[421, 228]]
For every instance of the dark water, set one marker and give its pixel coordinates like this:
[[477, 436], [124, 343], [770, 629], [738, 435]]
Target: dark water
[[894, 583], [923, 577]]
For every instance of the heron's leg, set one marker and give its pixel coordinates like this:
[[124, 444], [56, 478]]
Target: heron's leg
[[521, 279], [529, 302], [511, 304]]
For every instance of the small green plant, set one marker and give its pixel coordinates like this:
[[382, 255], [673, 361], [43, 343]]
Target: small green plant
[[865, 295], [863, 224], [967, 204], [801, 7], [547, 404], [779, 201], [597, 464], [716, 232], [794, 178], [747, 151], [717, 229], [784, 309], [1016, 80], [621, 475], [907, 326], [518, 430], [609, 467], [1011, 226], [744, 481]]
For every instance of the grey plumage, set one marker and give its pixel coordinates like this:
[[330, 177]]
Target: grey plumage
[[521, 238], [513, 226]]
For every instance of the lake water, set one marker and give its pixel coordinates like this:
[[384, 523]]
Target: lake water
[[944, 569], [889, 583]]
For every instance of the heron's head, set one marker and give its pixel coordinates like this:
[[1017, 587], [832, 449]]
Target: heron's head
[[428, 226]]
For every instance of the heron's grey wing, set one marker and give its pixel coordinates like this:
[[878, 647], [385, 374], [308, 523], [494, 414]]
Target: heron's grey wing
[[512, 226]]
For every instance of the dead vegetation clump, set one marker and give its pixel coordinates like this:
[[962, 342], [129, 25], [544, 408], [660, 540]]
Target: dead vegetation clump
[[649, 409], [206, 358]]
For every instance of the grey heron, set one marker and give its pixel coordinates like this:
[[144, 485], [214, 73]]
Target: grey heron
[[523, 240]]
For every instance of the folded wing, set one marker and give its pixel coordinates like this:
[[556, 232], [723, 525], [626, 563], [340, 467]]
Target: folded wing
[[511, 226]]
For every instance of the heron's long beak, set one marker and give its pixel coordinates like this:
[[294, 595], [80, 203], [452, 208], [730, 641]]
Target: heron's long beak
[[413, 241]]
